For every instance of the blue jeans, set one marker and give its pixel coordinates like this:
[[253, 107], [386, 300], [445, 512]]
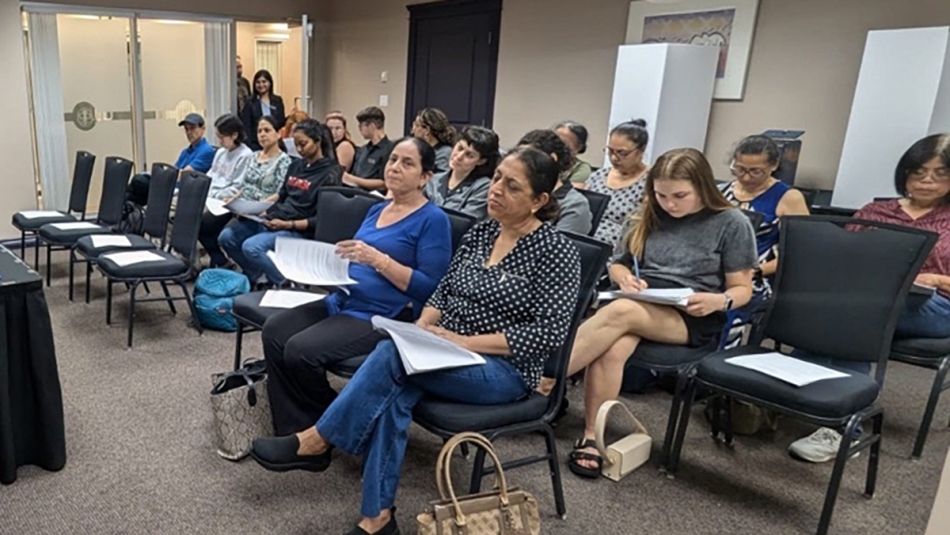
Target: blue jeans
[[372, 414], [924, 318], [247, 243]]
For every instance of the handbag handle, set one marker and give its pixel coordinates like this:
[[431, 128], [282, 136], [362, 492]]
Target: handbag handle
[[443, 472], [243, 374], [600, 425]]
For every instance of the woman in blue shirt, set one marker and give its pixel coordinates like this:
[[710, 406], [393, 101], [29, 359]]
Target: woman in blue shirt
[[398, 256]]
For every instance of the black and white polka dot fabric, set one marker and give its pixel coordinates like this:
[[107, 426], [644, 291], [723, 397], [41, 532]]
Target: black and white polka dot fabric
[[529, 296], [622, 203]]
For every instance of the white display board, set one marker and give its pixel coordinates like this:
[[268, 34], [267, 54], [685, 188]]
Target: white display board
[[671, 87], [902, 95]]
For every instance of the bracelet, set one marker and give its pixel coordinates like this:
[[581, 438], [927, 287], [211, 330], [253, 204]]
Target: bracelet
[[386, 265]]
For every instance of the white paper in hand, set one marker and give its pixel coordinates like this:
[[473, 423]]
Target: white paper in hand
[[288, 298], [106, 240], [133, 257], [245, 207], [422, 351], [789, 369], [660, 296], [216, 206], [76, 225], [310, 262], [36, 214]]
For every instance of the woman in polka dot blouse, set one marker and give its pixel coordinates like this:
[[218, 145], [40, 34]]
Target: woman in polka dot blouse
[[509, 294]]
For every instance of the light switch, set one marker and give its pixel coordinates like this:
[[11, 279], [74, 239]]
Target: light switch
[[384, 76], [383, 101]]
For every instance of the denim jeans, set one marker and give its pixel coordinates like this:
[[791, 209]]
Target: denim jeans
[[372, 414], [924, 318], [247, 243]]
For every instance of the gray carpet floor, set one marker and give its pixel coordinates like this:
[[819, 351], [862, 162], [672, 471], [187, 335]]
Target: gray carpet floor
[[138, 428]]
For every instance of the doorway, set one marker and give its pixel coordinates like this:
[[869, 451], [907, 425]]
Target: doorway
[[453, 60]]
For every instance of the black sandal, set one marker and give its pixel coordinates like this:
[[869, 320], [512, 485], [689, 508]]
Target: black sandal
[[578, 455]]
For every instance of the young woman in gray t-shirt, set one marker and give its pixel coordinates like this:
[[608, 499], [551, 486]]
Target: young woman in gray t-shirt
[[687, 235]]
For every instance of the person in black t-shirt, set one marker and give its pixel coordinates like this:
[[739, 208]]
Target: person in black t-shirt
[[370, 161]]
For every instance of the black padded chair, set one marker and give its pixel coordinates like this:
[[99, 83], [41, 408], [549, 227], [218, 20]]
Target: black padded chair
[[598, 207], [154, 225], [178, 259], [536, 412], [848, 313], [341, 212], [932, 353], [115, 179], [78, 195]]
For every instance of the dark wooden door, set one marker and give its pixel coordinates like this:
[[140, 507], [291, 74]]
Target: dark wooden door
[[453, 58]]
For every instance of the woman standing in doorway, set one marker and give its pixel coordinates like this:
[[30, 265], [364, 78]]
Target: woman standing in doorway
[[264, 103]]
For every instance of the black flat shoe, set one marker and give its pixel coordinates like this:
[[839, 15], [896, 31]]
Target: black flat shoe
[[389, 529], [279, 454]]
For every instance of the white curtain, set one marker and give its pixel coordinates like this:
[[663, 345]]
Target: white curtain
[[219, 74], [49, 116]]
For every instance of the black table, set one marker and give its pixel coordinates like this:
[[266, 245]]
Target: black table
[[31, 402]]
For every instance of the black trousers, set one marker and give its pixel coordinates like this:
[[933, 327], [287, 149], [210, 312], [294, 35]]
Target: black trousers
[[299, 344], [211, 226]]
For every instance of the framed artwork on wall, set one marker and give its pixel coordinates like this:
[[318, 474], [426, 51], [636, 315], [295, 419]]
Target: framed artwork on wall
[[728, 24]]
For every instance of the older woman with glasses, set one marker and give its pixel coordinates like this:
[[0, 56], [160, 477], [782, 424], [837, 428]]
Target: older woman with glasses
[[623, 180]]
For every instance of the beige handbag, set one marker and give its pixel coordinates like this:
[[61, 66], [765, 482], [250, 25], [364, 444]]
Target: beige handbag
[[508, 511], [240, 409], [628, 453]]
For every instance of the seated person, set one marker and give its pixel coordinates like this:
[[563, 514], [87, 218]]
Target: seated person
[[687, 236], [345, 149], [262, 174], [432, 126], [922, 179], [624, 180], [197, 156], [464, 187], [575, 213], [398, 256], [287, 132], [371, 158], [574, 135], [295, 208], [509, 294]]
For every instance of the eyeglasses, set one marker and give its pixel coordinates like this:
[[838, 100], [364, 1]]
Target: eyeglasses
[[618, 153], [940, 174], [754, 172]]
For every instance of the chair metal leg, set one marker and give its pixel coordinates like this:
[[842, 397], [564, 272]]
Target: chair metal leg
[[727, 422], [108, 301], [72, 270], [49, 255], [238, 343], [88, 278], [874, 456], [831, 495], [674, 458], [554, 466], [23, 245], [478, 471], [935, 391], [673, 421], [168, 296], [36, 251], [132, 289], [191, 307]]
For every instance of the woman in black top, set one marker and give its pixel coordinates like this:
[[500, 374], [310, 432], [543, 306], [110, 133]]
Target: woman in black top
[[509, 295], [264, 102], [295, 211]]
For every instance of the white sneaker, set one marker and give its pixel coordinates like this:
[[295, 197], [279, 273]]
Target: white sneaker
[[818, 447]]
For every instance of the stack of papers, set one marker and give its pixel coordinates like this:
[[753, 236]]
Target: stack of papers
[[76, 225], [789, 369], [36, 214], [310, 262], [667, 296], [133, 257], [106, 240], [288, 298], [248, 209], [216, 206], [422, 351]]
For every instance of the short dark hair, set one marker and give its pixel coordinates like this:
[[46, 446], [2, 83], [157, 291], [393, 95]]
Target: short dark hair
[[438, 124], [265, 74], [543, 173], [373, 115], [485, 142], [548, 142], [921, 152], [426, 152], [229, 125], [635, 131], [270, 120], [320, 134], [579, 131], [759, 144]]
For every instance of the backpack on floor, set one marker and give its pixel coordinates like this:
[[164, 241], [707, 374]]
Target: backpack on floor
[[215, 291]]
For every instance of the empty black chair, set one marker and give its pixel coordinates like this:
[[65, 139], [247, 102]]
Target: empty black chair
[[340, 212], [154, 228], [932, 353], [532, 414], [598, 206], [848, 313], [461, 222], [115, 179], [177, 260], [78, 195]]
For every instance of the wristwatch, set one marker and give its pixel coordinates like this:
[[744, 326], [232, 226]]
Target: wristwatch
[[728, 306]]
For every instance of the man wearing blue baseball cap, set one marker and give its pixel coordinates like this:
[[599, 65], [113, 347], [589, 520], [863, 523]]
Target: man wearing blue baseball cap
[[199, 153]]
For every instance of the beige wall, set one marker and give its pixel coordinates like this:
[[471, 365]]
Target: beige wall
[[557, 58]]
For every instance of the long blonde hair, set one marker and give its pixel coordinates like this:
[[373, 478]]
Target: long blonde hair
[[676, 164]]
